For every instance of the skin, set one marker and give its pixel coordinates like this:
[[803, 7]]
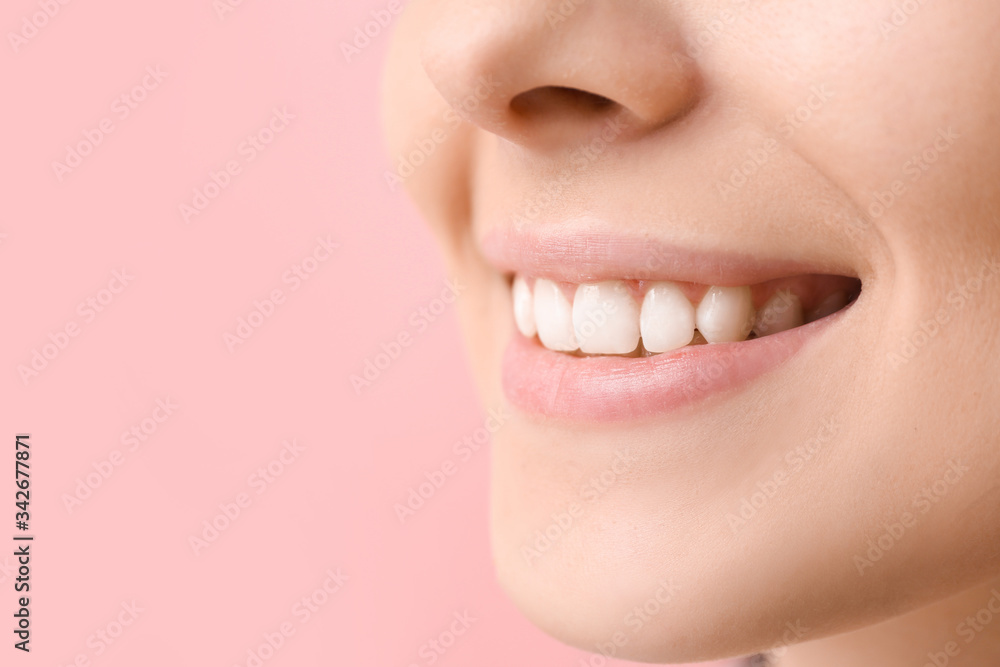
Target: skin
[[701, 84]]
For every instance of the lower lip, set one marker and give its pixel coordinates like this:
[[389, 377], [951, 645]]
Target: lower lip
[[608, 389]]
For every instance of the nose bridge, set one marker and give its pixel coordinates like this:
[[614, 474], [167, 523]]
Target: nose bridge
[[519, 68]]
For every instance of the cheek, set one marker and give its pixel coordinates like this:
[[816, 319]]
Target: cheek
[[875, 99], [428, 146], [485, 313]]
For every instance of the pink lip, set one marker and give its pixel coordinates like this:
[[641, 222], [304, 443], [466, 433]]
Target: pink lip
[[581, 252], [607, 389]]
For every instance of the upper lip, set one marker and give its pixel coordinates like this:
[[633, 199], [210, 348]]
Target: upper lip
[[579, 251]]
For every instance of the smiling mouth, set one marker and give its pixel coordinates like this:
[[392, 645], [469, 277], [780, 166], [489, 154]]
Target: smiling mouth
[[610, 328]]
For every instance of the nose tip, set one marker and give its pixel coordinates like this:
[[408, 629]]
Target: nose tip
[[543, 71]]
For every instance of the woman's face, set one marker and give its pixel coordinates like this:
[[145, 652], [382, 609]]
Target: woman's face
[[621, 172]]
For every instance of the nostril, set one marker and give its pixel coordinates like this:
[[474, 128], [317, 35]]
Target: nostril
[[549, 101], [501, 68]]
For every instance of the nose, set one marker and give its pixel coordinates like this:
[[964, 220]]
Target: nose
[[543, 72]]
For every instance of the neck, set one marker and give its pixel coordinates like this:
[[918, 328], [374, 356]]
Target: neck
[[961, 631]]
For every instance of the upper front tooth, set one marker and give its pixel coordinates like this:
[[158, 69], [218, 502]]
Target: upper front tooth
[[725, 314], [782, 312], [667, 320], [554, 317], [524, 307], [605, 318]]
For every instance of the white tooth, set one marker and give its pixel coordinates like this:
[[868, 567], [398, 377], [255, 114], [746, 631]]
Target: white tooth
[[605, 318], [524, 307], [554, 317], [667, 319], [725, 314], [782, 312]]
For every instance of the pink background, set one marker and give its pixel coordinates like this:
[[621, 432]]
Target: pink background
[[162, 336]]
